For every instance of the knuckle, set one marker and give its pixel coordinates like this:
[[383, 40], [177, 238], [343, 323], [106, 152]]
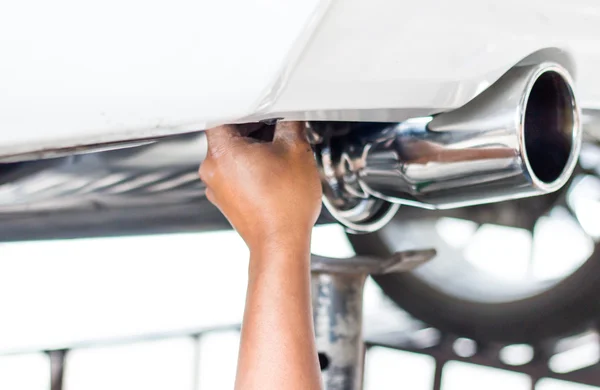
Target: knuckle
[[206, 170]]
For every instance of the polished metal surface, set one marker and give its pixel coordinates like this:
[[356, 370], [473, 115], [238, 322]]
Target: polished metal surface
[[521, 137]]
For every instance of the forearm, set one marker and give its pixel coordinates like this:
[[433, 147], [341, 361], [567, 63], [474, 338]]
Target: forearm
[[277, 348], [271, 193]]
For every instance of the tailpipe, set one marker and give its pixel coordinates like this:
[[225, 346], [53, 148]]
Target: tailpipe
[[520, 137]]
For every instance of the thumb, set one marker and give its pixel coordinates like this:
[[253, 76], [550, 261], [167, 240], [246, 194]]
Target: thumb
[[221, 138]]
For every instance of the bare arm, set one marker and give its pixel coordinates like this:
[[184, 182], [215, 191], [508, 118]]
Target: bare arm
[[271, 194]]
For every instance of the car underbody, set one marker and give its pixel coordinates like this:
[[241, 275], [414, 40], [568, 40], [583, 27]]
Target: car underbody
[[416, 118]]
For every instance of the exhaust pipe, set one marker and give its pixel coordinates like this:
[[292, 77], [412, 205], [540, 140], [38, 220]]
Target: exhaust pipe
[[521, 137]]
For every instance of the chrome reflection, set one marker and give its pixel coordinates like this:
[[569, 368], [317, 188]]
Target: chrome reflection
[[519, 138]]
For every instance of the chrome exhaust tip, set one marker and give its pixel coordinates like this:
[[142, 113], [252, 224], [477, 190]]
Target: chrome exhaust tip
[[551, 129], [521, 137]]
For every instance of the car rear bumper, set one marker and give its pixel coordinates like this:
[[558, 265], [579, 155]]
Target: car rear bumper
[[75, 74]]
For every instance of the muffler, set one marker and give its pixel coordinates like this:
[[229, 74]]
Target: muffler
[[520, 137]]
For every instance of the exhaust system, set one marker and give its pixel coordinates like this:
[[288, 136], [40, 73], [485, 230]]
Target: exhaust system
[[521, 137]]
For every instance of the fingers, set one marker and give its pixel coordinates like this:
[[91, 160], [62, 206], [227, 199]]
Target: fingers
[[221, 138], [290, 133]]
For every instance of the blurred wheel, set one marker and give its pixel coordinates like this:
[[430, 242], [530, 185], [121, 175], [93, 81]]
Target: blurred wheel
[[519, 271]]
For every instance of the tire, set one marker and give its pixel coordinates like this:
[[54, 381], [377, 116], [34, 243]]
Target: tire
[[567, 307]]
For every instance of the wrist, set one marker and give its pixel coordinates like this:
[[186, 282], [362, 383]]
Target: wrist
[[280, 239], [280, 246]]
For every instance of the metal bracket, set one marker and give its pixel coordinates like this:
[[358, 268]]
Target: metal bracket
[[398, 262]]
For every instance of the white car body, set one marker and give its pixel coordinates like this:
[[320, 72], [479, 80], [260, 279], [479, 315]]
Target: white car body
[[75, 73]]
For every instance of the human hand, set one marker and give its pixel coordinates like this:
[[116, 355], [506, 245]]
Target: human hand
[[269, 191]]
